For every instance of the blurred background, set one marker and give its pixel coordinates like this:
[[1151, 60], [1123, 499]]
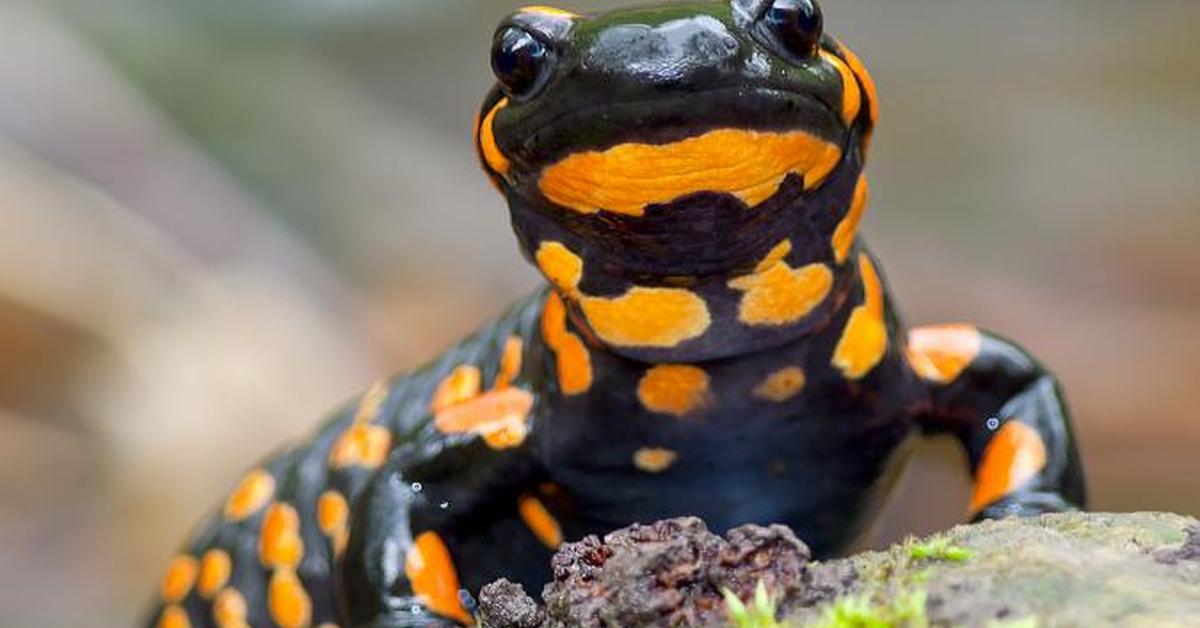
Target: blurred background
[[219, 218]]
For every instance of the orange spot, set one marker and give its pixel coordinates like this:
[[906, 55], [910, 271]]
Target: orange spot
[[1014, 456], [940, 353], [626, 178], [487, 141], [647, 317], [433, 578], [781, 385], [174, 617], [774, 256], [180, 576], [676, 389], [229, 609], [363, 445], [851, 96], [864, 341], [287, 601], [251, 494], [215, 567], [540, 521], [548, 11], [463, 383], [847, 229], [573, 363], [654, 459], [574, 366], [279, 542], [561, 267], [333, 513], [499, 416], [372, 401], [510, 363], [777, 294]]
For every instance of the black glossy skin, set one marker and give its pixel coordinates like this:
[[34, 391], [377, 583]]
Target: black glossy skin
[[821, 461]]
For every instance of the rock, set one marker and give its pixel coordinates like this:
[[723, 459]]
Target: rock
[[1075, 569]]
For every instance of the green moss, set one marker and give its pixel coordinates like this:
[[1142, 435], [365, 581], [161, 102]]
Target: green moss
[[906, 610], [937, 548], [760, 613]]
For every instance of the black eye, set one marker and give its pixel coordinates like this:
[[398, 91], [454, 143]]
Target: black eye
[[520, 61], [795, 25]]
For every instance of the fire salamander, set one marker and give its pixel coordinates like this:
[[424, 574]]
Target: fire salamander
[[714, 340]]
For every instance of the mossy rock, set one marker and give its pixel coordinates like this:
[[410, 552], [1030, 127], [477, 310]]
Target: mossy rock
[[1075, 569]]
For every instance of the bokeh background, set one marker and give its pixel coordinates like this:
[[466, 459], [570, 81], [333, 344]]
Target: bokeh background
[[218, 218]]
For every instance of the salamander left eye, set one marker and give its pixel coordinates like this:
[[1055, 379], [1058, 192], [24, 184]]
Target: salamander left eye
[[520, 62], [795, 25]]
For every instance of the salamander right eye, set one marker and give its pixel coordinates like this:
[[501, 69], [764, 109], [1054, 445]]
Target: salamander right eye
[[520, 61], [795, 25]]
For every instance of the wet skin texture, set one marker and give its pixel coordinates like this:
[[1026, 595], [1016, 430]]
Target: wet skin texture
[[715, 340]]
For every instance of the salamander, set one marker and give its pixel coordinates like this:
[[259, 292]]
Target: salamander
[[714, 338]]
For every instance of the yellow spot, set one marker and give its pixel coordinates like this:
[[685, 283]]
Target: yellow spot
[[864, 341], [180, 576], [561, 267], [847, 229], [540, 521], [781, 385], [229, 609], [487, 141], [654, 459], [779, 294], [676, 389], [463, 383], [174, 617], [647, 317], [548, 11], [774, 256], [287, 601], [510, 363], [750, 165], [433, 578], [940, 353], [279, 542], [554, 321], [333, 514], [362, 445], [372, 401], [499, 416], [851, 96], [1014, 456], [215, 567], [251, 494]]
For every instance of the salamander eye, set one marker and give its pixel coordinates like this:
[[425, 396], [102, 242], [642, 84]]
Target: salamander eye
[[520, 61], [794, 24]]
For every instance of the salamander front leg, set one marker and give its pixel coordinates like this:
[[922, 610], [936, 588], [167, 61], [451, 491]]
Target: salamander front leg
[[443, 517], [1009, 415]]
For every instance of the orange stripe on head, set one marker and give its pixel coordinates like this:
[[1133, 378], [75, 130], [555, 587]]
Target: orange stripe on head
[[543, 525], [431, 574], [851, 95], [1015, 456], [865, 338], [940, 353], [548, 11], [868, 87], [847, 229], [750, 165], [492, 155]]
